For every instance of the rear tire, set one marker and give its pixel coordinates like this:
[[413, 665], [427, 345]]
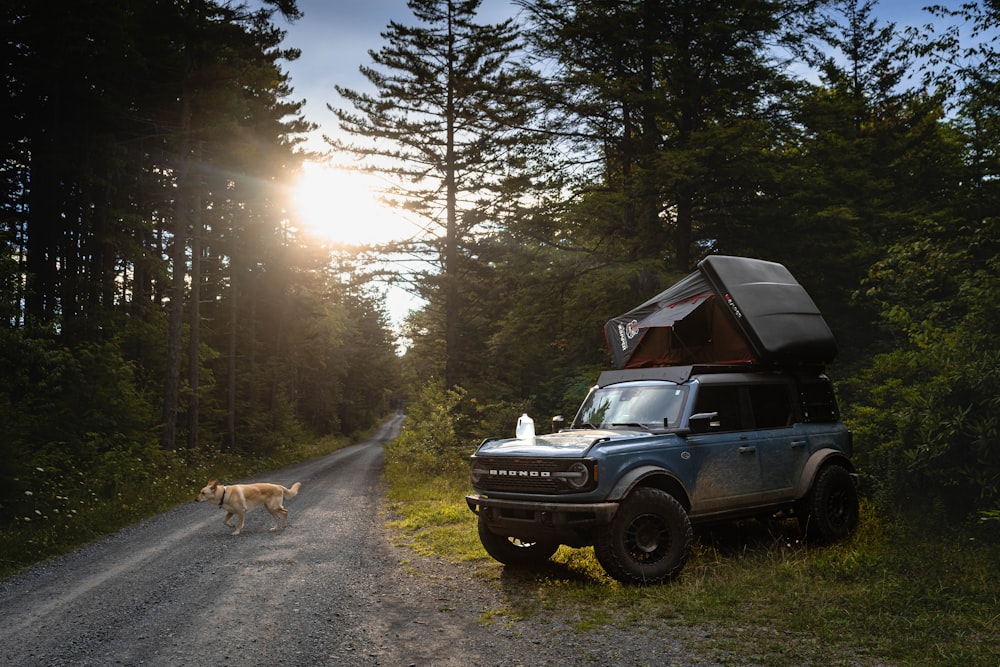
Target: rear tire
[[648, 541], [514, 551], [831, 508]]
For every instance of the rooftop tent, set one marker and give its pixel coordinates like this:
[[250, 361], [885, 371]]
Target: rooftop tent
[[730, 310], [684, 324]]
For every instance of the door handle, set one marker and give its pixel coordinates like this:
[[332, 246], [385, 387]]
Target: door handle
[[747, 450], [798, 444]]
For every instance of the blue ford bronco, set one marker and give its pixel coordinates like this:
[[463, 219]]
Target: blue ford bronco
[[750, 428]]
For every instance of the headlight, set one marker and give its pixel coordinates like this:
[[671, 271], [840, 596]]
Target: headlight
[[578, 475], [476, 474]]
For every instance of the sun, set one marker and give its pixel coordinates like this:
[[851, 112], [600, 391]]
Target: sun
[[342, 206]]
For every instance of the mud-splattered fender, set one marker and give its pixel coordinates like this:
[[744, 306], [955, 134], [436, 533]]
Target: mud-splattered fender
[[816, 461], [654, 476]]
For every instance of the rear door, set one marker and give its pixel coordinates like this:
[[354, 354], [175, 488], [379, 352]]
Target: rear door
[[782, 444]]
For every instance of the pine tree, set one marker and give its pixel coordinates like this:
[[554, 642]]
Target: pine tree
[[444, 124], [229, 63], [671, 101], [869, 160]]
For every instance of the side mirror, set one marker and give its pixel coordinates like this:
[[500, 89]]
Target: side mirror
[[703, 422], [558, 423]]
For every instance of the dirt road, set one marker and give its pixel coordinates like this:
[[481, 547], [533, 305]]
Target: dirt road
[[178, 589]]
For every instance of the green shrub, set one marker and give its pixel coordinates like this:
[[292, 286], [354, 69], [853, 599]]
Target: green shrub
[[429, 443], [926, 415]]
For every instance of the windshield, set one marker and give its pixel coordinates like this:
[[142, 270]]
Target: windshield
[[647, 405]]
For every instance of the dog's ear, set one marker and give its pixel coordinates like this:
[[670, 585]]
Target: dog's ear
[[212, 483]]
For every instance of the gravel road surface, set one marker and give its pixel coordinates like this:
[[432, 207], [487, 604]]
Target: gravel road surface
[[330, 589]]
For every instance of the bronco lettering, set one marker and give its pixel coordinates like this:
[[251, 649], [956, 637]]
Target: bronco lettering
[[520, 473]]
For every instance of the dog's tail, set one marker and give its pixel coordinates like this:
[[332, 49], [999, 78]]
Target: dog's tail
[[292, 492]]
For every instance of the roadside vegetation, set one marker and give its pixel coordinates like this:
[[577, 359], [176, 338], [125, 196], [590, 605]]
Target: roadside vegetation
[[904, 590]]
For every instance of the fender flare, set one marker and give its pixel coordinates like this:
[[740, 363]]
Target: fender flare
[[633, 478], [818, 459]]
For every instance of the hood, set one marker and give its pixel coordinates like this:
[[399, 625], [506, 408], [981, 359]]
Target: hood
[[569, 444]]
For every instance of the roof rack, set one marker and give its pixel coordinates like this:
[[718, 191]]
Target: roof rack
[[683, 373]]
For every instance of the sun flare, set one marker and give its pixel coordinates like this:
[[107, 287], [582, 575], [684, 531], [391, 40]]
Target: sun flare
[[342, 206]]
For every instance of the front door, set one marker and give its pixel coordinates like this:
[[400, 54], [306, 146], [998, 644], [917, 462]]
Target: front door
[[725, 459]]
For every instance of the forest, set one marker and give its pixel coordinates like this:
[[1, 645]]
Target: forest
[[164, 313]]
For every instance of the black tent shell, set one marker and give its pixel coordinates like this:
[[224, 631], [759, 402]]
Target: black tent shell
[[730, 310]]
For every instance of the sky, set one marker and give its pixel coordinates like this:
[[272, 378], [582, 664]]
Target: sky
[[335, 37]]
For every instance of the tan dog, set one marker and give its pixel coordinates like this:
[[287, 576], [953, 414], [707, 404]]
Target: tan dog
[[238, 499]]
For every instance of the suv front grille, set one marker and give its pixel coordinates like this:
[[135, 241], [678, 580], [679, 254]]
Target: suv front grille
[[522, 475]]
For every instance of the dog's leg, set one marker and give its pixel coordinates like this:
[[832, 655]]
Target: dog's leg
[[242, 516], [229, 515], [278, 513]]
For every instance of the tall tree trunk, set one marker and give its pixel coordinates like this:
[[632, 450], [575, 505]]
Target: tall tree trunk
[[683, 236], [452, 310], [43, 224], [231, 364], [175, 333], [194, 335]]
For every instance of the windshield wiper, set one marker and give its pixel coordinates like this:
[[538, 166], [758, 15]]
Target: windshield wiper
[[632, 424]]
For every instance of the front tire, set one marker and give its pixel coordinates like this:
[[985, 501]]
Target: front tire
[[648, 541], [831, 508], [513, 551]]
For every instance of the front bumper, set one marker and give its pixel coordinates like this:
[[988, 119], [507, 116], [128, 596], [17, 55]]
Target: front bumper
[[568, 523]]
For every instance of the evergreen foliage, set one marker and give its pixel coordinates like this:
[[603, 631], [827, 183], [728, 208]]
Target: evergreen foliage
[[158, 305]]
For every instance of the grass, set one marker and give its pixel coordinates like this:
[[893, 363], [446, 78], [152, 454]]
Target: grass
[[428, 519], [888, 595]]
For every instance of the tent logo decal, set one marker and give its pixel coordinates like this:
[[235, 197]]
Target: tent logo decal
[[627, 332], [732, 306]]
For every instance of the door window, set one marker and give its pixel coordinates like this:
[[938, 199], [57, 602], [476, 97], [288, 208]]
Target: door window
[[771, 405], [724, 400]]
